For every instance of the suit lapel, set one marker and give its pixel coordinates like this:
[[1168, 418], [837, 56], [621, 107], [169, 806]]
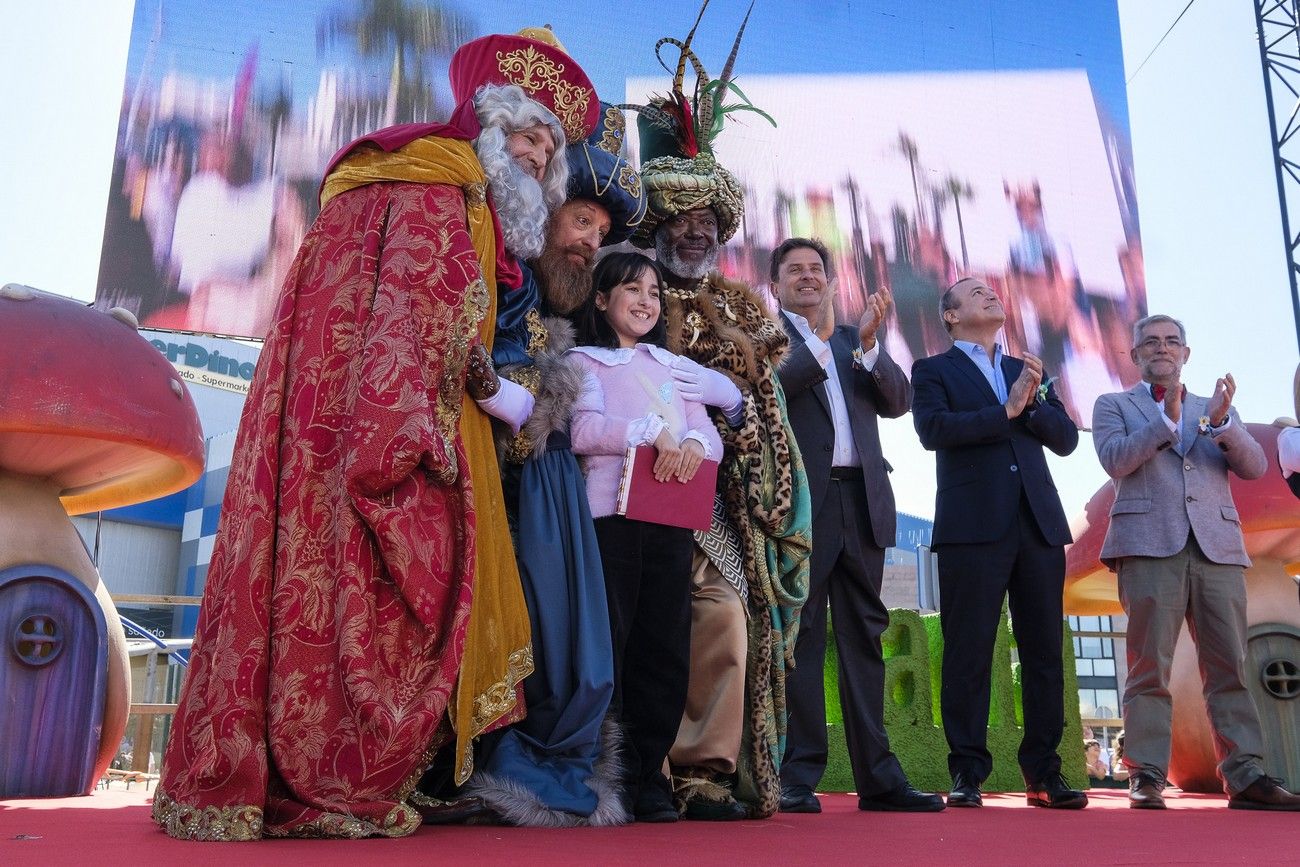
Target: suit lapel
[[1193, 408], [962, 362], [1011, 368], [819, 390], [1140, 396]]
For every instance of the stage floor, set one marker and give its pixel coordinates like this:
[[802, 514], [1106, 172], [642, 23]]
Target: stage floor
[[113, 827]]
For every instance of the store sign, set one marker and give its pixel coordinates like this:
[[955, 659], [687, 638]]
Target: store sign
[[203, 366]]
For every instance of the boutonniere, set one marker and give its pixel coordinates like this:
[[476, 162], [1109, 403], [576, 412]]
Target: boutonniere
[[1043, 389], [857, 357], [1203, 424]]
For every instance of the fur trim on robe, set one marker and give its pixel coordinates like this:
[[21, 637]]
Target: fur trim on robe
[[516, 805]]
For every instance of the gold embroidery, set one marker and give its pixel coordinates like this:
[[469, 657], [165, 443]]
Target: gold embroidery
[[239, 823], [441, 738], [520, 448], [615, 125], [537, 333], [630, 181], [500, 697], [447, 404], [475, 194], [533, 71], [400, 821]]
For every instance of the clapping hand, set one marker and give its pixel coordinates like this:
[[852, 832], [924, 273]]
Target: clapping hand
[[824, 324], [1173, 401], [873, 317], [1025, 387], [1224, 388]]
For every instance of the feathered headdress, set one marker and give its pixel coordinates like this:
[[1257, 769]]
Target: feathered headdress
[[677, 135]]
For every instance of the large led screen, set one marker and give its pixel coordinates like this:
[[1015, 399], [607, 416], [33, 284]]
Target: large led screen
[[921, 140]]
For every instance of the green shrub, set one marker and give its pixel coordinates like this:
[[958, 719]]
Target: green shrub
[[913, 650]]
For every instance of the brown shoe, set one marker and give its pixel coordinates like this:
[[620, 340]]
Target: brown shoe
[[1264, 794], [1144, 792]]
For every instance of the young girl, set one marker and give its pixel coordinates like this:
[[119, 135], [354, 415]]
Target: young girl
[[629, 399]]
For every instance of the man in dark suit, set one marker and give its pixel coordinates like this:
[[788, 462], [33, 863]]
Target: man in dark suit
[[837, 380], [999, 530]]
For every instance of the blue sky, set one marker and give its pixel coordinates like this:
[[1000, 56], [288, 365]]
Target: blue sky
[[1210, 226]]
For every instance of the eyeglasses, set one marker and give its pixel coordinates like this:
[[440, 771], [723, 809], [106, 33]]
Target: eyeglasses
[[1153, 343]]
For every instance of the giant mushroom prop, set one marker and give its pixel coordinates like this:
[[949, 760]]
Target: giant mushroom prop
[[1270, 525], [92, 417]]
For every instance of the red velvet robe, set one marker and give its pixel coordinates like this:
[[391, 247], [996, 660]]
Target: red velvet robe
[[341, 580]]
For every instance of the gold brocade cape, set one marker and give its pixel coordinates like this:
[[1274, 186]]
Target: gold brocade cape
[[498, 654]]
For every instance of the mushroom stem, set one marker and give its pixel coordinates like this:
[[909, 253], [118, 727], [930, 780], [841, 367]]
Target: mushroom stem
[[35, 530]]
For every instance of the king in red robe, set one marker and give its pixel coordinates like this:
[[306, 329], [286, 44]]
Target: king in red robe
[[362, 532]]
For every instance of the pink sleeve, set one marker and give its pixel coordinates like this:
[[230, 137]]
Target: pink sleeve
[[594, 432]]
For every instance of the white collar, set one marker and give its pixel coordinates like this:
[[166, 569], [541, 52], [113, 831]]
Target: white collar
[[622, 355]]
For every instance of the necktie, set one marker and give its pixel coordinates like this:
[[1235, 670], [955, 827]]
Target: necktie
[[1158, 392]]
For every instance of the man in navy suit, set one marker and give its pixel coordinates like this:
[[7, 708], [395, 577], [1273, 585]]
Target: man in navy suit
[[838, 380], [999, 531]]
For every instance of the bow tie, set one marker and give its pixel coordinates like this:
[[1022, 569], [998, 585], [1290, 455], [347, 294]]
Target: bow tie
[[1158, 392]]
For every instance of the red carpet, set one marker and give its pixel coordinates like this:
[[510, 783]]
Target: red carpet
[[113, 827]]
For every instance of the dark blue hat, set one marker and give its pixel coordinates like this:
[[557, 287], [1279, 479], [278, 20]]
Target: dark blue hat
[[597, 172]]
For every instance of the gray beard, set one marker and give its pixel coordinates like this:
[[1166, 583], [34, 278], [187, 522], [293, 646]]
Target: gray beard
[[517, 198], [670, 262]]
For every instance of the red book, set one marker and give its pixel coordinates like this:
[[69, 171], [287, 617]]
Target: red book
[[677, 504]]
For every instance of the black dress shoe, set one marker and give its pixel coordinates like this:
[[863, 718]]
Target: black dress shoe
[[1144, 792], [799, 799], [965, 792], [1265, 793], [729, 810], [1055, 793], [904, 799], [653, 805]]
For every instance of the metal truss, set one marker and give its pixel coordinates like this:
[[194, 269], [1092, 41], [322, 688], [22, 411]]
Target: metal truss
[[1278, 28]]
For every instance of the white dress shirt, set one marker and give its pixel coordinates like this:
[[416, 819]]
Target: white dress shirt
[[990, 367], [844, 454]]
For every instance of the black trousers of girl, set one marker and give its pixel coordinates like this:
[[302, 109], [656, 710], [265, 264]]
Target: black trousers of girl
[[648, 589]]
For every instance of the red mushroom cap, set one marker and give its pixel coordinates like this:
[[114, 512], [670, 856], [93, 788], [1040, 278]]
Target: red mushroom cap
[[87, 402]]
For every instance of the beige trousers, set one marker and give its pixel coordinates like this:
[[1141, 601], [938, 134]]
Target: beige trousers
[[709, 735]]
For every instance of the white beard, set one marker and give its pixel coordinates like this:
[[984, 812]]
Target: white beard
[[517, 197], [670, 262]]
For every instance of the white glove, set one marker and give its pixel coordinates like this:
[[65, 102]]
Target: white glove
[[706, 385], [512, 403]]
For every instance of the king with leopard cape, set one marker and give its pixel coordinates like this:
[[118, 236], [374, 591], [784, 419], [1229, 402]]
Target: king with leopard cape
[[721, 324], [355, 533]]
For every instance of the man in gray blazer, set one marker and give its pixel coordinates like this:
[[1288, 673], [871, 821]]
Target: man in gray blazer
[[1175, 540], [838, 381]]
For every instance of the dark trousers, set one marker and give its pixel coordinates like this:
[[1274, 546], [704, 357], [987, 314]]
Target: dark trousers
[[846, 568], [973, 579], [648, 588]]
